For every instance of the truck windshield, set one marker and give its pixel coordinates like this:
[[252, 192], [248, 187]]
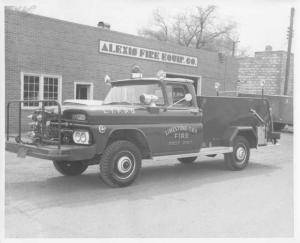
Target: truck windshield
[[130, 93]]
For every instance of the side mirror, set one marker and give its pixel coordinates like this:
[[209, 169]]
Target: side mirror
[[188, 97]]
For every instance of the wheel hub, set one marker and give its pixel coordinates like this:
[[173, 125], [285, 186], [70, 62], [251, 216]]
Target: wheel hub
[[241, 153], [124, 164]]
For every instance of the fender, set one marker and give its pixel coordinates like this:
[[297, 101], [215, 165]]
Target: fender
[[246, 131], [134, 135]]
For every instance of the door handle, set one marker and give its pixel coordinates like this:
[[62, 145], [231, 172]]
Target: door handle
[[195, 111]]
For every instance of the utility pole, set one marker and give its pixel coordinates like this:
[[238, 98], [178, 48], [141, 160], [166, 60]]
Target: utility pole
[[290, 37], [234, 47]]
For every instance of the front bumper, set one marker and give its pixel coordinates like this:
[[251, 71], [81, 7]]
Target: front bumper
[[51, 152]]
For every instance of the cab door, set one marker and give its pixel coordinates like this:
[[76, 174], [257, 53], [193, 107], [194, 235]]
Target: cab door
[[181, 132]]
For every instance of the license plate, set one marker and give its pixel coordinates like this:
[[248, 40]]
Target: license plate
[[22, 152]]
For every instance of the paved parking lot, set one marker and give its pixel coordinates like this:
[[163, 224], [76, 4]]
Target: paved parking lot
[[167, 200]]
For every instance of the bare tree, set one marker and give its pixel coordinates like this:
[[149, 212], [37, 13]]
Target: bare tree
[[185, 29], [200, 29], [161, 28], [205, 22]]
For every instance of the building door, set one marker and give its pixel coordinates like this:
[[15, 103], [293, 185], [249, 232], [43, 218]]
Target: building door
[[83, 91], [197, 80]]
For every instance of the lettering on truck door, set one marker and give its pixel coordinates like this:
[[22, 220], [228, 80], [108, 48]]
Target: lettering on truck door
[[185, 129]]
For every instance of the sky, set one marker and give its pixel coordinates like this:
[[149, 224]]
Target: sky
[[260, 23]]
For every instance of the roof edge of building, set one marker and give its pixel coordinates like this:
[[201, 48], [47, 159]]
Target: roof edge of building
[[7, 9]]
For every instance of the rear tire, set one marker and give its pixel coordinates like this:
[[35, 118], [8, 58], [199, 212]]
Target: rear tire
[[239, 158], [187, 160], [70, 168], [120, 164]]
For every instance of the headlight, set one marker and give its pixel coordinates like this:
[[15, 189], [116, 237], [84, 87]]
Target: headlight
[[79, 117], [76, 136], [81, 137]]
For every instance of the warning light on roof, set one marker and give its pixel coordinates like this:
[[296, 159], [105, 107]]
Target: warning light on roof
[[161, 75], [136, 72]]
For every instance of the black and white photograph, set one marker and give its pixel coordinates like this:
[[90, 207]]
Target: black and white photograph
[[149, 119]]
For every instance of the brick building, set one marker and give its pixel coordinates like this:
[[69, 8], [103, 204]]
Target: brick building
[[268, 66], [47, 58]]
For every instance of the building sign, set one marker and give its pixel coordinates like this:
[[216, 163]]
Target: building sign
[[148, 54]]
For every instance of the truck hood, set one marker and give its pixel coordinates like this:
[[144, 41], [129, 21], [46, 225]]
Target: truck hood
[[105, 114]]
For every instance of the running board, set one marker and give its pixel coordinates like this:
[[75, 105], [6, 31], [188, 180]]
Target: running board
[[203, 151], [215, 150]]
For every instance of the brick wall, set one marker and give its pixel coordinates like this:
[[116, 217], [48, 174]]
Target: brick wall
[[42, 45], [268, 66]]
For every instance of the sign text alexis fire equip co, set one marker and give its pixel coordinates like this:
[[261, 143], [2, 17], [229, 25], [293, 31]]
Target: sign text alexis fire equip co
[[144, 53]]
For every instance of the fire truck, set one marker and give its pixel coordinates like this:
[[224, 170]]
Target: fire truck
[[144, 118]]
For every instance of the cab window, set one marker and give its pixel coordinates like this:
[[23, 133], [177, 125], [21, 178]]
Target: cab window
[[130, 93], [176, 92]]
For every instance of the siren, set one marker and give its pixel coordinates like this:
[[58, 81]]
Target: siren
[[148, 99]]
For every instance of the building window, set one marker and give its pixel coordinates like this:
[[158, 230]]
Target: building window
[[39, 87], [83, 90], [31, 87], [50, 89]]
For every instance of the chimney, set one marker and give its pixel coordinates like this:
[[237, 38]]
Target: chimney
[[104, 25], [268, 48]]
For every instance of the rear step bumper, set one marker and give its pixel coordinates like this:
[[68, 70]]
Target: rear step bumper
[[51, 152], [274, 135]]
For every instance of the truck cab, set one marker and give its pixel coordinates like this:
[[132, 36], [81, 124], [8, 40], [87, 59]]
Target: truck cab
[[164, 110]]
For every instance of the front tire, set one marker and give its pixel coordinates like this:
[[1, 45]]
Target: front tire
[[239, 158], [70, 168], [187, 160], [120, 164]]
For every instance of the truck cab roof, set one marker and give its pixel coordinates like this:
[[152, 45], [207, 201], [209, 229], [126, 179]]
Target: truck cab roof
[[179, 80]]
